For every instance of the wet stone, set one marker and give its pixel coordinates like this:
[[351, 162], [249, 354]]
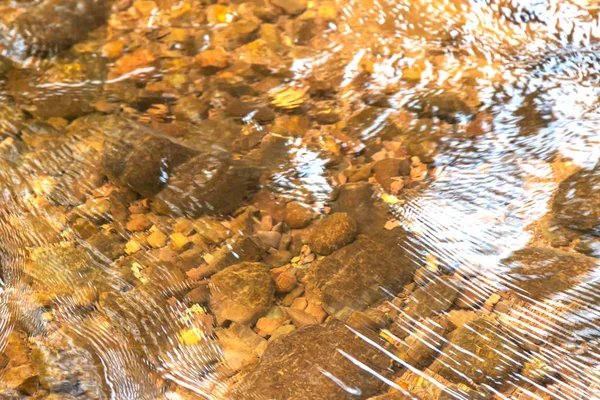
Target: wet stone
[[433, 299], [140, 161], [241, 293], [292, 7], [389, 168], [54, 25], [110, 245], [478, 353], [577, 202], [207, 185], [298, 215], [536, 273], [422, 345], [37, 91], [299, 365], [357, 200], [239, 249], [355, 276], [444, 105], [332, 233]]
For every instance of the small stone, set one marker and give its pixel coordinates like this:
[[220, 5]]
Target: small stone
[[286, 239], [210, 230], [264, 115], [156, 239], [84, 297], [140, 58], [300, 303], [283, 330], [358, 173], [460, 318], [112, 49], [183, 226], [179, 241], [492, 300], [298, 215], [503, 307], [30, 385], [275, 318], [418, 173], [96, 210], [138, 222], [278, 258], [289, 299], [301, 318], [266, 223], [84, 228], [291, 7], [216, 58], [270, 238], [286, 281], [473, 295], [242, 347], [334, 232], [199, 295], [145, 7], [432, 299]]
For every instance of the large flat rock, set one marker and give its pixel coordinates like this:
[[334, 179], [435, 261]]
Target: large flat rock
[[315, 363], [537, 273], [365, 271]]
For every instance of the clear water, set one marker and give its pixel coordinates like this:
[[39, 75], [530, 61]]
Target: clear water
[[145, 145]]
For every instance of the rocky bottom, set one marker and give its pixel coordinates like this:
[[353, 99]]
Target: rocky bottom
[[291, 199]]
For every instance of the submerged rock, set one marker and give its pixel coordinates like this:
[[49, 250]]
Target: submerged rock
[[207, 184], [536, 273], [54, 25], [64, 89], [357, 200], [577, 202], [315, 362], [298, 215], [333, 233], [444, 105], [365, 271], [138, 159], [478, 353], [422, 345], [241, 293], [430, 300]]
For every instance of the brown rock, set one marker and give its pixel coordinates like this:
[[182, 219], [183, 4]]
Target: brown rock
[[241, 293], [298, 215], [332, 233], [478, 353], [199, 295], [433, 299], [286, 281], [138, 222], [354, 277], [291, 7], [216, 58], [356, 199], [537, 273], [388, 168], [156, 239], [301, 318], [298, 365], [270, 238]]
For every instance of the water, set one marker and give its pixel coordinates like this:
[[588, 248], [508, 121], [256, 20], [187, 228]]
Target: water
[[299, 200]]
